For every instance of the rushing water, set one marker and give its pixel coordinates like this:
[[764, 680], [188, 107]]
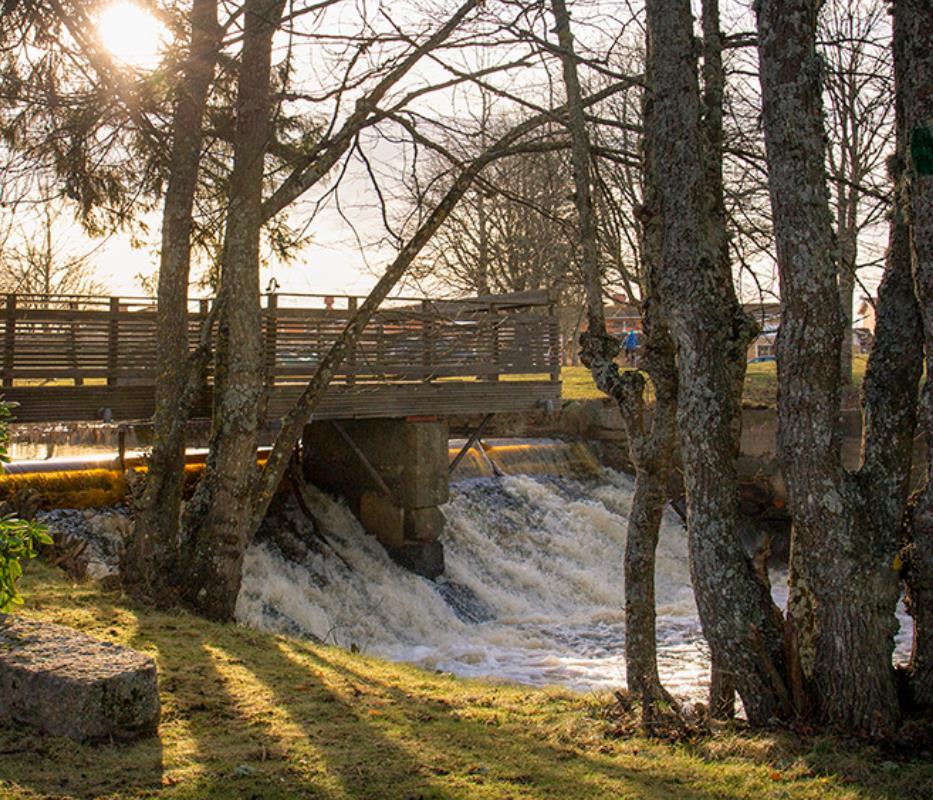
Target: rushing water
[[532, 592]]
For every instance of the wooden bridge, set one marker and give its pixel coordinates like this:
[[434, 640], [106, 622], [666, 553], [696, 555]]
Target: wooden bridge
[[71, 358]]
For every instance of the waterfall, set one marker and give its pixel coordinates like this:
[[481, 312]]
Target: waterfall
[[533, 589]]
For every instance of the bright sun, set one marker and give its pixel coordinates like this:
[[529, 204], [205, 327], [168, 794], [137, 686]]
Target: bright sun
[[131, 34]]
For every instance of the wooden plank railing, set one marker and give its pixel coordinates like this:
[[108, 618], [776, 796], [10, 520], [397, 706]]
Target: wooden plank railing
[[83, 340]]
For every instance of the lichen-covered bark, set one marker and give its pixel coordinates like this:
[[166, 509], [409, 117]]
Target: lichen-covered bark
[[218, 519], [149, 561], [890, 405], [651, 450], [843, 590], [913, 62], [890, 410], [722, 689], [710, 333], [810, 336]]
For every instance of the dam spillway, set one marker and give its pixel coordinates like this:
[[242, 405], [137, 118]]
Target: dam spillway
[[533, 586]]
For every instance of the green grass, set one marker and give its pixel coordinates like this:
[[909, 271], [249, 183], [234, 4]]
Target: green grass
[[250, 715], [760, 382]]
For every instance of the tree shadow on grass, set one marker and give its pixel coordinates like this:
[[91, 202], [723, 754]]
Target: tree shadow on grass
[[326, 739], [766, 764], [490, 754], [251, 715], [238, 720]]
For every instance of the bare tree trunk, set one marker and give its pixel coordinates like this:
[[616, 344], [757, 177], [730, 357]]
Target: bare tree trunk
[[889, 400], [848, 255], [710, 333], [913, 62], [722, 687], [218, 518], [293, 423], [843, 590], [651, 450], [149, 563]]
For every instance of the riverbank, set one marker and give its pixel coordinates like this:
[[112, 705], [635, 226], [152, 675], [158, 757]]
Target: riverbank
[[253, 715]]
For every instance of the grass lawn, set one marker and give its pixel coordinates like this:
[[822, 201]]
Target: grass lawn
[[760, 382], [250, 715]]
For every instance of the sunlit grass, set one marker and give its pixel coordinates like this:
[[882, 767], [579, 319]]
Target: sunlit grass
[[760, 382], [252, 715]]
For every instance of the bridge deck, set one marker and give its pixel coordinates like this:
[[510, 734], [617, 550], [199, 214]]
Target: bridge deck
[[85, 358]]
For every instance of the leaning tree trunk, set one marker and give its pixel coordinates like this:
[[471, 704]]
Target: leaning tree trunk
[[650, 450], [294, 422], [710, 334], [843, 590], [218, 518], [149, 561], [913, 63]]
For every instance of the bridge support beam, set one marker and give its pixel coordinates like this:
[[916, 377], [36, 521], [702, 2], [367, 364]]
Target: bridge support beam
[[393, 474]]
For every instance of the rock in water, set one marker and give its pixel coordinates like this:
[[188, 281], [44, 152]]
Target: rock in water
[[68, 684]]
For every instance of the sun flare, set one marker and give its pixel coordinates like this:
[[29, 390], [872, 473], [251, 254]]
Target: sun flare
[[131, 34]]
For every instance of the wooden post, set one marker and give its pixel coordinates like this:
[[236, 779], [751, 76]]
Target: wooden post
[[496, 347], [73, 344], [194, 335], [554, 342], [121, 447], [272, 336], [113, 342], [9, 340], [351, 355], [427, 339]]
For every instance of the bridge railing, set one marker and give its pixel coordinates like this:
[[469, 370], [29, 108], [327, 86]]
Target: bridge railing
[[84, 340]]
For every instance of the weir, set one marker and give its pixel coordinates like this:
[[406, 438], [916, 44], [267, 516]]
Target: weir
[[533, 582]]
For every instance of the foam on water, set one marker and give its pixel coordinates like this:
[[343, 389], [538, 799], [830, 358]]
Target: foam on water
[[533, 590]]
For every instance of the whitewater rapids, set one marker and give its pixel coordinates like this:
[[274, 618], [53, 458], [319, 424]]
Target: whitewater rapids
[[533, 589]]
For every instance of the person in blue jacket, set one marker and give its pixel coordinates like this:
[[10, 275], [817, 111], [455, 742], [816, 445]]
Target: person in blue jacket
[[630, 346]]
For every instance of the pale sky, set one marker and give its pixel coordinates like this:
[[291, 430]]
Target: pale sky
[[334, 261], [330, 265]]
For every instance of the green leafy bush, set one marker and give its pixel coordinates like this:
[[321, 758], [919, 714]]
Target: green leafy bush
[[19, 539]]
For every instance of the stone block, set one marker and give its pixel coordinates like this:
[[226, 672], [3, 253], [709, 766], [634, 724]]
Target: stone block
[[424, 524], [383, 519], [69, 684], [422, 558]]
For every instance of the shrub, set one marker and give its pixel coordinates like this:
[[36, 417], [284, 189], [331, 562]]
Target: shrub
[[19, 539]]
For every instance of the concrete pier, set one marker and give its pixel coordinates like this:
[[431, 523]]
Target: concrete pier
[[393, 474]]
